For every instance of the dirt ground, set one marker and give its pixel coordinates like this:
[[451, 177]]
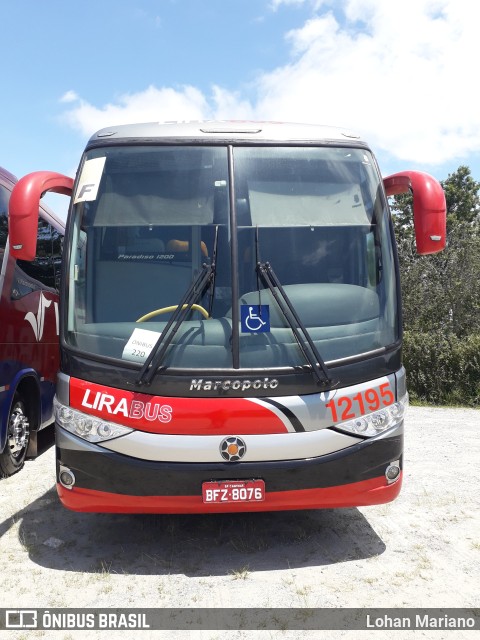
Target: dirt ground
[[422, 550]]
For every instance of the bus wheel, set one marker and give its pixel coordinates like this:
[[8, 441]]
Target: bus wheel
[[18, 435]]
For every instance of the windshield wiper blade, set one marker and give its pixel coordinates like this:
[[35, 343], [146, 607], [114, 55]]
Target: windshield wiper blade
[[305, 342], [214, 273], [155, 357]]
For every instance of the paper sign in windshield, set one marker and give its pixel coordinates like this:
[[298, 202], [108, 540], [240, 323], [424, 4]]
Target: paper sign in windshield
[[89, 182], [255, 318], [140, 344]]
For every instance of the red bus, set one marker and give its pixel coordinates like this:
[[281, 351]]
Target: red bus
[[29, 325], [230, 324]]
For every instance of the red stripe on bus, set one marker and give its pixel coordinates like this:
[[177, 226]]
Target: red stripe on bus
[[358, 494], [179, 416]]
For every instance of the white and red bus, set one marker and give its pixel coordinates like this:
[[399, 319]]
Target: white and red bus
[[230, 324], [29, 327]]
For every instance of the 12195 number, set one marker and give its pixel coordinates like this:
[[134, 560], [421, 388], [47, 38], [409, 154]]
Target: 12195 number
[[348, 408]]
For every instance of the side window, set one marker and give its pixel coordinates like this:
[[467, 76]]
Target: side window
[[57, 248], [44, 271], [4, 197]]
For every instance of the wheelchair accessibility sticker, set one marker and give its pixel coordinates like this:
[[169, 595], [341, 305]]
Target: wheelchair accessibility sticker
[[255, 318]]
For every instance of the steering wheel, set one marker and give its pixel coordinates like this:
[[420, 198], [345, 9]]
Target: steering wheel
[[157, 312]]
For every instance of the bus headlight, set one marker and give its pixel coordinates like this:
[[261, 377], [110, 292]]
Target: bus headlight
[[375, 423], [85, 426]]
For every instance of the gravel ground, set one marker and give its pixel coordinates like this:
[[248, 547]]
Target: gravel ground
[[422, 550]]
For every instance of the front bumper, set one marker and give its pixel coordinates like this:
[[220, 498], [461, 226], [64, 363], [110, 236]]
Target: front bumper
[[106, 481]]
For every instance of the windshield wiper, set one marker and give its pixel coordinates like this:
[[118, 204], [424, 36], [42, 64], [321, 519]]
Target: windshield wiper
[[305, 342], [194, 292], [214, 273]]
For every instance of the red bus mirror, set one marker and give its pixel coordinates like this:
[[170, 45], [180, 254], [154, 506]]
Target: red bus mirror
[[23, 209], [429, 208]]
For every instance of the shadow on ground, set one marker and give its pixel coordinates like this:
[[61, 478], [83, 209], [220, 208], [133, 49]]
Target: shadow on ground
[[46, 439], [193, 545]]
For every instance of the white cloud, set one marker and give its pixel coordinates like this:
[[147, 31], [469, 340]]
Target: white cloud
[[399, 73], [402, 73], [69, 96], [151, 105], [228, 105], [316, 4], [275, 4]]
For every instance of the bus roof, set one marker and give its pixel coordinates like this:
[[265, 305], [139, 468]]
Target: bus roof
[[6, 175], [227, 130]]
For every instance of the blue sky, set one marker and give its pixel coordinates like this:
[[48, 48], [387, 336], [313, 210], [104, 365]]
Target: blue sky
[[401, 73]]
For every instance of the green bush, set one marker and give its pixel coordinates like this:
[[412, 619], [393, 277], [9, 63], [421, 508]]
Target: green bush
[[443, 369]]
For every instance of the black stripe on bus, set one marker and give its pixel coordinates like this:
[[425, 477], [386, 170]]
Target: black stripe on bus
[[294, 420]]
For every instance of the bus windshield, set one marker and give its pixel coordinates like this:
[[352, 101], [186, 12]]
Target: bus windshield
[[148, 219]]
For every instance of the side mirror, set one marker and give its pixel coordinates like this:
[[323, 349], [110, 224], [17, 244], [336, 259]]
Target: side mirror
[[24, 206], [429, 208]]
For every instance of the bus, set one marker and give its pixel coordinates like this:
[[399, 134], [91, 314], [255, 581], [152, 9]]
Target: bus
[[29, 329], [230, 325]]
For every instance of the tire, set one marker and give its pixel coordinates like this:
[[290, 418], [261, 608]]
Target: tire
[[12, 457]]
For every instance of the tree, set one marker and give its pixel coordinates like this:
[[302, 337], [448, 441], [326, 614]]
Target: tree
[[462, 196], [441, 298], [442, 292]]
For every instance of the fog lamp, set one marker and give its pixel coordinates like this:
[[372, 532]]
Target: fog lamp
[[392, 472], [66, 478]]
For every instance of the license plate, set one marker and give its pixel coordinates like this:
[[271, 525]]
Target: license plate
[[231, 491]]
